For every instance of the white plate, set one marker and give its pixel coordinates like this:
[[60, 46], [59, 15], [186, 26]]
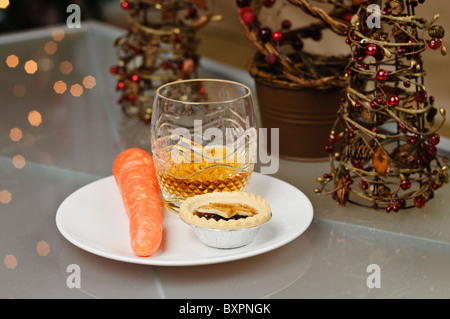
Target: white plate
[[94, 219]]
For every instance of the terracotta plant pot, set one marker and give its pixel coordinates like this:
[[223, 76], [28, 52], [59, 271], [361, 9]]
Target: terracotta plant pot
[[304, 117]]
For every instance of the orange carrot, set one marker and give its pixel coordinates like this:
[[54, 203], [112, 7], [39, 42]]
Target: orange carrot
[[136, 177]]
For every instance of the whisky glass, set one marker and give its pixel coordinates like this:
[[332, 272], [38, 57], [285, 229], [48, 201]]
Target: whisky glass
[[204, 138]]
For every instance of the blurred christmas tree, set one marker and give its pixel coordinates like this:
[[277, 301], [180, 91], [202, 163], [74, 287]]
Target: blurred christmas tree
[[160, 47], [385, 136]]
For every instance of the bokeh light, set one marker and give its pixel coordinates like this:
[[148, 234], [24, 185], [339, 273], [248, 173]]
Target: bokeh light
[[35, 118], [76, 90], [10, 261], [58, 34], [4, 4], [65, 67], [5, 196], [12, 61], [43, 248], [18, 161], [89, 82], [45, 64], [60, 87], [31, 67], [15, 134], [50, 47]]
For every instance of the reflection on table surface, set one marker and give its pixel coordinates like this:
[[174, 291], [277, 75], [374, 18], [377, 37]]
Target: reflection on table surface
[[61, 129]]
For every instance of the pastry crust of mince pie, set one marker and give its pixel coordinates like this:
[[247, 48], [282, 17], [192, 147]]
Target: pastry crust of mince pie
[[225, 210]]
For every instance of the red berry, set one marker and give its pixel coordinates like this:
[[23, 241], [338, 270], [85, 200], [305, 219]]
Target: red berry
[[329, 148], [433, 139], [357, 164], [333, 139], [120, 85], [413, 139], [382, 75], [379, 100], [372, 49], [131, 97], [297, 44], [277, 35], [435, 43], [394, 100], [406, 84], [402, 128], [420, 201], [316, 35], [177, 38], [271, 58], [348, 17], [191, 13], [114, 69], [269, 3], [248, 16], [135, 78], [364, 185], [431, 98], [401, 51], [421, 96], [351, 134], [244, 10], [286, 24], [125, 5], [405, 184], [432, 150], [264, 34], [242, 3]]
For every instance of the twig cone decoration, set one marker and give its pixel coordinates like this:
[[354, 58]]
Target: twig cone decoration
[[383, 146], [160, 47]]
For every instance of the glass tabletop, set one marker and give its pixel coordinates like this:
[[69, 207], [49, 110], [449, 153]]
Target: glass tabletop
[[61, 129]]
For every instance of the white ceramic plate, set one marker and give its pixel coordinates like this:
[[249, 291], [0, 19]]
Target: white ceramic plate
[[94, 219]]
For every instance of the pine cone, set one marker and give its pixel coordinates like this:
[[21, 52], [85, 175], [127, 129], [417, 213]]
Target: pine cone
[[397, 7], [359, 150], [405, 156], [436, 31], [411, 104]]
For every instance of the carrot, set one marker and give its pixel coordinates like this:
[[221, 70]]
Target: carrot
[[135, 175]]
